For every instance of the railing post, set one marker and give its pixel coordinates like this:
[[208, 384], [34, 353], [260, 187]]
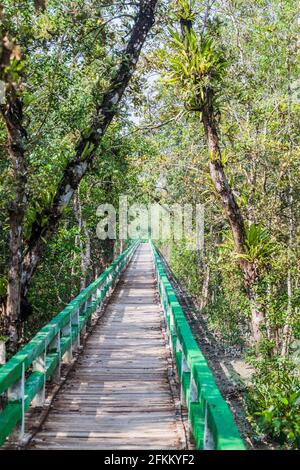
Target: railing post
[[194, 398], [67, 331], [208, 440], [98, 292], [193, 391], [170, 326], [179, 349], [171, 334], [86, 306], [184, 368], [83, 331], [178, 345], [2, 353], [111, 285], [17, 393], [55, 346], [75, 321], [39, 365]]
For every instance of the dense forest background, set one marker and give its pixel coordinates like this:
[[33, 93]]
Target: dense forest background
[[201, 106]]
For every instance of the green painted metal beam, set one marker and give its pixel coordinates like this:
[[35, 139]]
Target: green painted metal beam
[[210, 418], [41, 344]]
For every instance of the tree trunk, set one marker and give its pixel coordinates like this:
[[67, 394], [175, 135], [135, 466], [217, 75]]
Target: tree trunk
[[287, 330], [233, 214], [85, 251], [12, 322], [12, 113], [205, 286], [257, 317], [107, 247]]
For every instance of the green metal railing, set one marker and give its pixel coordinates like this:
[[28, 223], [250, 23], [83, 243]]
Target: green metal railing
[[23, 377], [210, 419]]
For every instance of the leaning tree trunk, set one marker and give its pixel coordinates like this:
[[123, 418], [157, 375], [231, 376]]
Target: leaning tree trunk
[[88, 145]]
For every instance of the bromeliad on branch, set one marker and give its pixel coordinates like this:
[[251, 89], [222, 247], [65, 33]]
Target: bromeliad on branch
[[196, 69]]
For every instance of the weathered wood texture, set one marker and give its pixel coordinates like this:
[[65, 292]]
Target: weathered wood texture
[[119, 395]]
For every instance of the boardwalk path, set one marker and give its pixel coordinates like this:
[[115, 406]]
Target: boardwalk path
[[118, 396]]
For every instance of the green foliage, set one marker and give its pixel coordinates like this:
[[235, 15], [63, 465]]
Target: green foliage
[[228, 310], [225, 318], [183, 263], [249, 63], [274, 400], [196, 65], [259, 246], [185, 9], [3, 286]]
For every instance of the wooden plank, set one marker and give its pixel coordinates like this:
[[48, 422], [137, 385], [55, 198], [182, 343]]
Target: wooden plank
[[118, 396], [104, 435]]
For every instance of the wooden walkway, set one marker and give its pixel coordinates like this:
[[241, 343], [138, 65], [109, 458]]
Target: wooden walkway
[[119, 396]]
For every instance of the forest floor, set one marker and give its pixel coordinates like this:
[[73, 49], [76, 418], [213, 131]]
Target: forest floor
[[231, 372]]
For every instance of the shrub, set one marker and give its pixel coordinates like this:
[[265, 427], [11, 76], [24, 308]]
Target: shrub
[[274, 400]]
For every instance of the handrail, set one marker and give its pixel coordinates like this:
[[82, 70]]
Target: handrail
[[210, 419], [24, 376]]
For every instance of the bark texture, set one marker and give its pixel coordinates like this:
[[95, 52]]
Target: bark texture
[[12, 112], [233, 214]]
